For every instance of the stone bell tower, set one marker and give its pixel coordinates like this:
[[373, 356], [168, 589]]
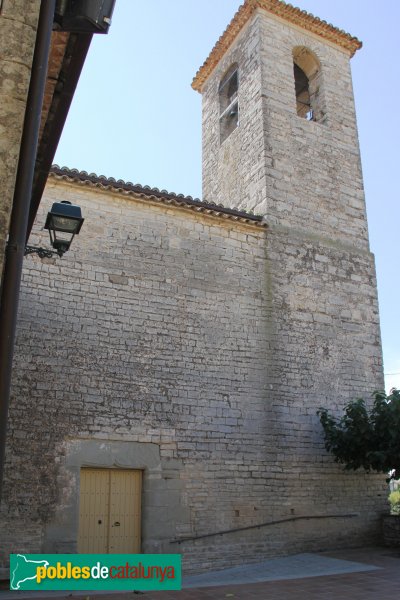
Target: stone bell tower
[[280, 139], [279, 126]]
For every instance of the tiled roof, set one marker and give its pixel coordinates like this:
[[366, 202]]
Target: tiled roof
[[155, 195], [285, 11]]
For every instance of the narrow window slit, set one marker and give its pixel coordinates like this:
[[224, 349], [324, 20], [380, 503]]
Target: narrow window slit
[[228, 103]]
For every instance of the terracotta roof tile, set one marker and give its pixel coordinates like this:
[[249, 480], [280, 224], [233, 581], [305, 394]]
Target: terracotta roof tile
[[155, 195], [285, 11]]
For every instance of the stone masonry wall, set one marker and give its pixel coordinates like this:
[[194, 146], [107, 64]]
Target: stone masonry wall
[[199, 350], [18, 21]]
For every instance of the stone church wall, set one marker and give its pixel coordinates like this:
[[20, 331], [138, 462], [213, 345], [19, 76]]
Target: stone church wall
[[197, 349]]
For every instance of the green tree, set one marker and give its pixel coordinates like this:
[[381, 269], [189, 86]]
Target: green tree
[[366, 439]]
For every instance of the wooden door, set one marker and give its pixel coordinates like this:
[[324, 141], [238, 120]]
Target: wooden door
[[110, 511]]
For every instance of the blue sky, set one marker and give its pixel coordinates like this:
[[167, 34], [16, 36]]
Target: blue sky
[[135, 116]]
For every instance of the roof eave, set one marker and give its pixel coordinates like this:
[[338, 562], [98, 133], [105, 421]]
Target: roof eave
[[55, 110], [155, 195]]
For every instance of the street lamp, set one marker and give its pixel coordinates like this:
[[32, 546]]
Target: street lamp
[[64, 218]]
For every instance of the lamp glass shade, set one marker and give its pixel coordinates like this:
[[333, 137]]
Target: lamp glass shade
[[64, 216], [67, 224]]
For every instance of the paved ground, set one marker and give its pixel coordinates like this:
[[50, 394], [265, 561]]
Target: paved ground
[[367, 574]]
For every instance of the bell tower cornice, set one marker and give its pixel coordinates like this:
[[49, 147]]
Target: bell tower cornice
[[282, 10]]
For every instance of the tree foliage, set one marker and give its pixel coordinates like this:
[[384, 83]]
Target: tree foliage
[[366, 439], [394, 499]]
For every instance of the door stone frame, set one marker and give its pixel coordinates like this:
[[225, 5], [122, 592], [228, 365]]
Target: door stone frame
[[61, 533]]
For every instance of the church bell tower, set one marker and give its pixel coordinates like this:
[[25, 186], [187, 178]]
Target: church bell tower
[[279, 126], [280, 139]]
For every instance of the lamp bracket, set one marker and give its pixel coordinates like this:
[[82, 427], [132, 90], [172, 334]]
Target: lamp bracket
[[42, 252]]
